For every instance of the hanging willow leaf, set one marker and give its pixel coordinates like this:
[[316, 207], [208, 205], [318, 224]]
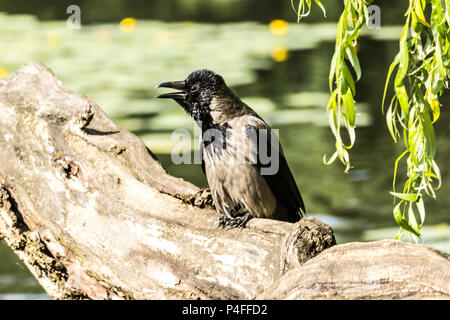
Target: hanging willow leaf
[[402, 97], [412, 220], [398, 217], [391, 122], [349, 80], [403, 56], [405, 196], [332, 70], [421, 209], [349, 106], [422, 71], [419, 12], [341, 81], [391, 69], [447, 12], [303, 9], [429, 133], [426, 71], [321, 7], [353, 58]]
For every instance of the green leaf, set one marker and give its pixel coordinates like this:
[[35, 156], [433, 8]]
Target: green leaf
[[391, 68], [331, 160], [390, 120], [353, 58], [429, 134], [403, 57], [303, 9], [437, 172], [348, 78], [437, 14], [439, 61], [412, 219], [405, 196], [352, 135], [402, 97], [398, 214], [355, 32], [401, 221], [331, 109], [421, 209], [447, 12], [415, 24], [419, 12], [349, 106], [321, 7], [332, 70], [395, 168]]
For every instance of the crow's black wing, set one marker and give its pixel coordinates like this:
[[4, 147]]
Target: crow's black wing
[[201, 156], [281, 182]]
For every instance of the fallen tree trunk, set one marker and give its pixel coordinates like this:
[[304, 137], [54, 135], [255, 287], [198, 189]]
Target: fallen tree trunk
[[92, 213]]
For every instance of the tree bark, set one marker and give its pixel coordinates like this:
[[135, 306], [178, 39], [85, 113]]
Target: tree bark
[[386, 269], [92, 214]]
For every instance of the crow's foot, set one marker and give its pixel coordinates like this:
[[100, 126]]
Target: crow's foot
[[237, 222]]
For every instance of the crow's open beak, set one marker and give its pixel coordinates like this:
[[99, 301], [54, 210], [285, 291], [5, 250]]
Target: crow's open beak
[[179, 85]]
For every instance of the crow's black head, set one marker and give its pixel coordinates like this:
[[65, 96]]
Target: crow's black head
[[196, 93]]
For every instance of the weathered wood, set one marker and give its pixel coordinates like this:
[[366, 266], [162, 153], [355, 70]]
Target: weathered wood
[[386, 269], [94, 215]]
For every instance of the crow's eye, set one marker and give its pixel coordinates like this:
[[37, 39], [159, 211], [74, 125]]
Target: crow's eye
[[194, 88]]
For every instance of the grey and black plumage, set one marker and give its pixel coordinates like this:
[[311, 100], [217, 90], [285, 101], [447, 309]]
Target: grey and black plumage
[[232, 132]]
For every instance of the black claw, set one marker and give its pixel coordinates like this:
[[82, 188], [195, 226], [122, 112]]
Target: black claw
[[238, 222], [222, 221]]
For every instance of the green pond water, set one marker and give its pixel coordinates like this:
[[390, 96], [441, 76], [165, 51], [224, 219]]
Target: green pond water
[[119, 71]]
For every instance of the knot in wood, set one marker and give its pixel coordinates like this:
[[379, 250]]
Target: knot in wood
[[308, 238]]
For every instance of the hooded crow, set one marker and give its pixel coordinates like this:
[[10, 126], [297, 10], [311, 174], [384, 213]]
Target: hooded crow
[[241, 156]]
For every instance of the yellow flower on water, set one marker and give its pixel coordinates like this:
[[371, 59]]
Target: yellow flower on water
[[53, 38], [3, 72], [279, 54], [128, 25], [279, 27], [442, 225]]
